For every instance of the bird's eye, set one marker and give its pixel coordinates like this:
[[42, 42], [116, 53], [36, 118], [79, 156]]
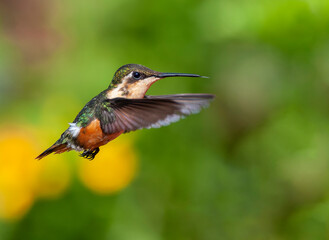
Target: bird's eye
[[137, 75]]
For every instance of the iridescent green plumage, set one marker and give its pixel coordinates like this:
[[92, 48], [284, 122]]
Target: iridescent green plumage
[[88, 112], [123, 71]]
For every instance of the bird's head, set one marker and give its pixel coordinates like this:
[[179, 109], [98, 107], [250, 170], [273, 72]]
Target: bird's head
[[133, 80]]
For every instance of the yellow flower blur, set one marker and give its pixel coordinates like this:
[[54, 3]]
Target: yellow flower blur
[[113, 168], [22, 178], [17, 176], [54, 177]]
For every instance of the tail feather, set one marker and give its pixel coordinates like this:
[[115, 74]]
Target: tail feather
[[56, 148]]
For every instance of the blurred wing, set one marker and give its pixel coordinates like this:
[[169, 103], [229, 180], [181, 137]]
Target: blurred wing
[[150, 112]]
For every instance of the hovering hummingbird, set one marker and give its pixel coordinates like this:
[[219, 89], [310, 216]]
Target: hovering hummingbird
[[124, 107]]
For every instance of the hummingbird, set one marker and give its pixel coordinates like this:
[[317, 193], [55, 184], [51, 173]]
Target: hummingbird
[[123, 107]]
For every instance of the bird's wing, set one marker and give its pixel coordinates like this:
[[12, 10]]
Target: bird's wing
[[122, 114]]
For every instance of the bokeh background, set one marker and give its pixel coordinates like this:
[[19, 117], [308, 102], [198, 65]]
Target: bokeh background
[[254, 165]]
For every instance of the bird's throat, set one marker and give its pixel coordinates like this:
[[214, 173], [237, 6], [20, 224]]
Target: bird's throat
[[136, 89]]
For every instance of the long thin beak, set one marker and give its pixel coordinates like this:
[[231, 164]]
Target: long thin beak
[[165, 75]]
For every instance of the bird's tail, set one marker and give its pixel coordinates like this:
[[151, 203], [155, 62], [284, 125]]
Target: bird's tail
[[55, 148]]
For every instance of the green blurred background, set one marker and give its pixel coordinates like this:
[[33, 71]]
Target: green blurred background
[[254, 165]]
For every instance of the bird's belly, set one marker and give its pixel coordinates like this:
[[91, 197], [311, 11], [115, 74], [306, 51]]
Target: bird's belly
[[92, 136]]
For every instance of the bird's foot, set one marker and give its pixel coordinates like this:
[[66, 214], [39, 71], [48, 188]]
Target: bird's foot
[[89, 154]]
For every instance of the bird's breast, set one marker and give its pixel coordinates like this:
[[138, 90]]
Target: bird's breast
[[92, 136]]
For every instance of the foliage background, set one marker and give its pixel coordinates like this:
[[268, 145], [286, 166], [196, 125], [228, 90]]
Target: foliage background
[[252, 166]]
